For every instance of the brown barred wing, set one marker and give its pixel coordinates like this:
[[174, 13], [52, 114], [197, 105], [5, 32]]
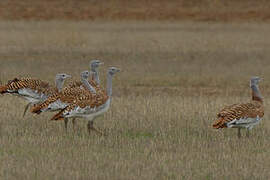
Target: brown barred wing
[[16, 84], [83, 101], [37, 108], [238, 111], [67, 95], [75, 84]]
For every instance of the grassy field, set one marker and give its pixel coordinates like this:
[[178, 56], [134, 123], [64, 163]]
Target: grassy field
[[175, 77]]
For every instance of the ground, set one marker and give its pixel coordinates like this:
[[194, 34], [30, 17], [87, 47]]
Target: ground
[[119, 10], [174, 79]]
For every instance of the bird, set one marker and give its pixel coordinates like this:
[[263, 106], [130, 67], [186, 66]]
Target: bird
[[89, 105], [94, 66], [60, 100], [32, 89], [94, 81], [245, 115]]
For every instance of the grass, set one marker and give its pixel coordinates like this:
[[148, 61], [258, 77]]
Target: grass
[[174, 79]]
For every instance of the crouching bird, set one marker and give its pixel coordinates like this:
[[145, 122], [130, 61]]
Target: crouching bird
[[245, 115]]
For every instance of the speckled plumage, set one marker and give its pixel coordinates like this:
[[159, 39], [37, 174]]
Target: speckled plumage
[[33, 90], [70, 93], [237, 112], [75, 84], [245, 115], [89, 101], [36, 85], [90, 105]]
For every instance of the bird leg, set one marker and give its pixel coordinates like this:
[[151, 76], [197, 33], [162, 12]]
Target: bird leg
[[239, 133], [25, 109], [247, 133], [90, 126], [66, 123], [73, 123]]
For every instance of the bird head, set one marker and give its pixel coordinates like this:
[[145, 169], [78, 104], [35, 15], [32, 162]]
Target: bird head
[[62, 76], [94, 64], [254, 81], [113, 70]]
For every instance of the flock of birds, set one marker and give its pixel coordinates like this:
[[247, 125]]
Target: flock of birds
[[87, 99], [79, 99]]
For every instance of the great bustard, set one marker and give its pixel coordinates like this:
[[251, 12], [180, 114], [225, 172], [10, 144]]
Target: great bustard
[[94, 65], [33, 90], [60, 100], [94, 81], [243, 115], [89, 105]]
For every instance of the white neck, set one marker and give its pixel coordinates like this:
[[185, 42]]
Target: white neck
[[109, 84], [256, 94], [95, 75], [88, 86], [59, 84]]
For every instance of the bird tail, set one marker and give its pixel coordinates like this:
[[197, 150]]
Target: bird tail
[[3, 89], [59, 115], [12, 85], [37, 108], [219, 123]]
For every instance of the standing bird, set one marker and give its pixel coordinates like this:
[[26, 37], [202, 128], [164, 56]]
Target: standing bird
[[243, 115], [94, 81], [33, 90], [61, 100], [89, 106], [94, 65]]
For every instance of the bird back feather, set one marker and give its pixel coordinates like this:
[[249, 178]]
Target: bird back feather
[[31, 83], [237, 112]]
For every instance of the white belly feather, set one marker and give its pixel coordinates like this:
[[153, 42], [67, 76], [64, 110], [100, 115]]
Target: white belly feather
[[244, 123], [57, 105], [31, 95], [89, 113]]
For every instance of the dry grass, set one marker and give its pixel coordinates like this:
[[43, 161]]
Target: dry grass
[[175, 78], [196, 10]]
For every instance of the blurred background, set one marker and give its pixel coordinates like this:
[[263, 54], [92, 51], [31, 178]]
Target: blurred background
[[146, 10]]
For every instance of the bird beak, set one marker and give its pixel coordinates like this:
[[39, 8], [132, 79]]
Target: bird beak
[[68, 76], [101, 63], [118, 70]]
